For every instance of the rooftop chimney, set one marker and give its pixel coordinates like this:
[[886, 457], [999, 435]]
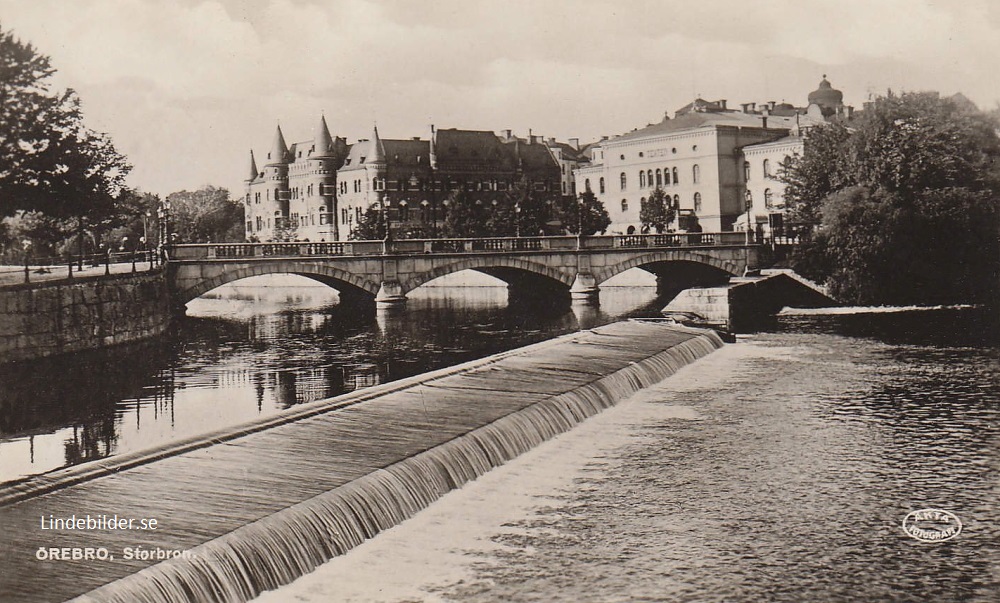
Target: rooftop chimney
[[575, 143], [604, 137], [507, 134], [722, 104], [770, 105]]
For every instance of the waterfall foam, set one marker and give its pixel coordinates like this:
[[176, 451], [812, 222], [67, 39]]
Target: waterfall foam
[[280, 547]]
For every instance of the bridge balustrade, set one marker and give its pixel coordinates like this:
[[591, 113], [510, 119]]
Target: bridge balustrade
[[472, 245]]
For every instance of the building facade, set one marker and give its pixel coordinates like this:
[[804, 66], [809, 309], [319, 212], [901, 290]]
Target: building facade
[[717, 165], [319, 190]]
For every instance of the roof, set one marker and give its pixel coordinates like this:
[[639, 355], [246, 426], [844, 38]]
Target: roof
[[784, 140], [694, 120]]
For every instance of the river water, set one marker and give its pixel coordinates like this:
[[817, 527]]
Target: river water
[[776, 469], [256, 348]]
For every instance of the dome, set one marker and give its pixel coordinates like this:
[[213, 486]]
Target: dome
[[826, 96]]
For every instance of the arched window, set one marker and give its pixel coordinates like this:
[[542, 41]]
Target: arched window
[[677, 201], [624, 205], [631, 230], [768, 198], [676, 180], [586, 185], [659, 177], [404, 211], [696, 174], [624, 180], [642, 179], [649, 177], [602, 185], [697, 202], [746, 171], [767, 168]]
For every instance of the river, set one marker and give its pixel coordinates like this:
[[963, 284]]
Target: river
[[257, 347], [777, 469]]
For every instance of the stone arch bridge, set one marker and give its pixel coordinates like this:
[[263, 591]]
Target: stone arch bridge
[[388, 270]]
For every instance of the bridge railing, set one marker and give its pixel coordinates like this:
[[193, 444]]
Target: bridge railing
[[237, 251]]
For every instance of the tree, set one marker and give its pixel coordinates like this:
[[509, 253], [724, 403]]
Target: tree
[[49, 161], [584, 215], [370, 227], [910, 209], [207, 214], [819, 171], [467, 217], [657, 211]]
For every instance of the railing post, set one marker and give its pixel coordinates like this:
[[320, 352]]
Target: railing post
[[70, 266], [27, 270]]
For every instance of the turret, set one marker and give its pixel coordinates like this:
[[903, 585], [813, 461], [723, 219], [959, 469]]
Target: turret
[[279, 150], [323, 140], [376, 154], [254, 172], [433, 155]]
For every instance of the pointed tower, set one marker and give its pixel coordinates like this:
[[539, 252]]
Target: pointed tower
[[433, 154], [279, 150], [376, 153], [323, 140], [254, 172]]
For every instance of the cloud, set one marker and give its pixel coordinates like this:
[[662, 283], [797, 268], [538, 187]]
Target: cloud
[[185, 88]]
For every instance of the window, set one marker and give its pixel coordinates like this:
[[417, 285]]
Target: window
[[404, 211], [697, 202], [343, 215], [649, 177], [676, 179], [767, 168], [746, 171], [586, 185], [768, 198], [677, 200], [624, 205], [659, 177], [642, 179], [696, 174], [249, 226], [260, 223], [624, 180], [357, 214], [602, 185]]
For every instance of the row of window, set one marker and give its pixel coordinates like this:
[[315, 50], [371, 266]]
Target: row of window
[[766, 170], [676, 202], [768, 199], [651, 178]]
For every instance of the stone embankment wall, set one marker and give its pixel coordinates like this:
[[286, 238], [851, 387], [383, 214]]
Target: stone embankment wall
[[47, 319]]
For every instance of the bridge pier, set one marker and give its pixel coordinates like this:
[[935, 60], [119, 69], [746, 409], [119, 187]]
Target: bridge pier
[[390, 294], [585, 289]]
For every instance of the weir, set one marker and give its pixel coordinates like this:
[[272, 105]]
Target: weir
[[258, 506]]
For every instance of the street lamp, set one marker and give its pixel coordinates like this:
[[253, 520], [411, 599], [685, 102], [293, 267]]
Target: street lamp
[[386, 203], [517, 220], [749, 204], [27, 256]]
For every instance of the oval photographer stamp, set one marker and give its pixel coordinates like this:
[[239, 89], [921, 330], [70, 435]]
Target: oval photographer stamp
[[932, 525]]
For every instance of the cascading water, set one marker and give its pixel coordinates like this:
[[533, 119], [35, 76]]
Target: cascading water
[[273, 550]]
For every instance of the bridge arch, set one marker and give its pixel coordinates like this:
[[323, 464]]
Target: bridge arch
[[729, 267], [191, 286], [498, 266]]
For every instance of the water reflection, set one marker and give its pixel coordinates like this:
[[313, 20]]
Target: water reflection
[[244, 352]]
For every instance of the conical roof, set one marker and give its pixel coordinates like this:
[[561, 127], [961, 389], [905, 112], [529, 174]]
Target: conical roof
[[323, 140], [253, 167], [376, 154], [278, 148]]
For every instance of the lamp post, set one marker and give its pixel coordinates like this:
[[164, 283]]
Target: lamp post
[[27, 260], [749, 204], [517, 220], [388, 225], [425, 212]]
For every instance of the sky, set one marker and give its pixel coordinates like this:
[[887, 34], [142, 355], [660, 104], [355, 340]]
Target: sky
[[186, 88]]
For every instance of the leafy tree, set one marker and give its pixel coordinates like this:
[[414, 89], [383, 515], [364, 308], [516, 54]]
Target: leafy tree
[[207, 214], [467, 217], [819, 171], [49, 161], [584, 212], [370, 227], [910, 209], [657, 211]]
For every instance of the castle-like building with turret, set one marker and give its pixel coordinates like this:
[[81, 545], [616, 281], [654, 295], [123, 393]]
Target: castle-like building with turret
[[718, 165], [318, 190]]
